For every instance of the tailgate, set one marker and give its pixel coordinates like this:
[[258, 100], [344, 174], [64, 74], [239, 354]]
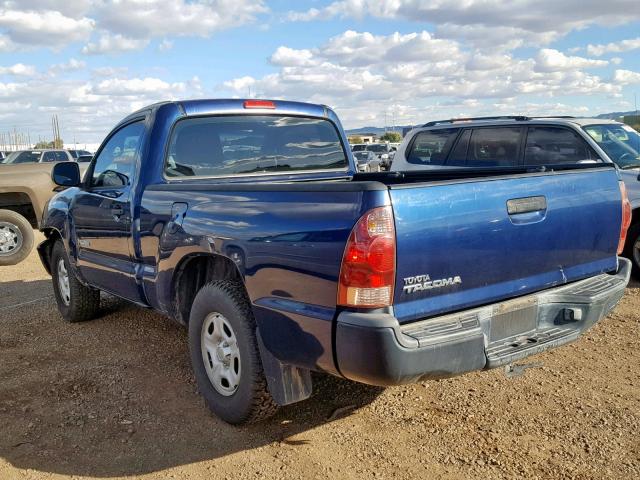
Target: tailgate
[[465, 243]]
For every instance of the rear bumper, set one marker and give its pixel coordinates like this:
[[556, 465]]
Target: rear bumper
[[376, 349]]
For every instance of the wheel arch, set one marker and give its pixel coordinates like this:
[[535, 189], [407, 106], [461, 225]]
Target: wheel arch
[[45, 248], [21, 203], [192, 273]]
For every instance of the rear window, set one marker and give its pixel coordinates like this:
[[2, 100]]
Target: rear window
[[432, 146], [231, 145]]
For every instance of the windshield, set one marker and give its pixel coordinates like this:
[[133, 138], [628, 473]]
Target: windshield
[[23, 157], [377, 148], [358, 148], [620, 142]]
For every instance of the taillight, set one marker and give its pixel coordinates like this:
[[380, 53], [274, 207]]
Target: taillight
[[368, 270], [626, 218], [259, 104]]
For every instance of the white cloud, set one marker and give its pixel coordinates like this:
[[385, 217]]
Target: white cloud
[[550, 60], [71, 65], [626, 77], [69, 8], [614, 47], [121, 24], [18, 70], [138, 86], [289, 57], [364, 75], [165, 45], [6, 45], [109, 44], [146, 19], [87, 109], [530, 21], [494, 37], [354, 48], [240, 85], [48, 28]]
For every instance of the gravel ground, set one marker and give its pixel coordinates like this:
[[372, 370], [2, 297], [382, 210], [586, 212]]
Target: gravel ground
[[115, 397]]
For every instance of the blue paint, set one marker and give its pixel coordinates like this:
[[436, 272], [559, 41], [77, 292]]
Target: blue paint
[[287, 234]]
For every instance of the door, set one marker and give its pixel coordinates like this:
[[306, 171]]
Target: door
[[102, 215]]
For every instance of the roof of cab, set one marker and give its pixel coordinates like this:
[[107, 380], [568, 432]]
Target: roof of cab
[[236, 105]]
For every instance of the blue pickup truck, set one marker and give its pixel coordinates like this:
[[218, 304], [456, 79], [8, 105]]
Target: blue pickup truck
[[247, 222]]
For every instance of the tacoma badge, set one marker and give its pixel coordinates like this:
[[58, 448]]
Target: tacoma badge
[[424, 282]]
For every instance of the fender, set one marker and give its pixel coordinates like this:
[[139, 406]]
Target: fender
[[57, 224]]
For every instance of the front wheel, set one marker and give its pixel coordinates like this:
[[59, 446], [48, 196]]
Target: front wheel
[[76, 302], [224, 354], [16, 238]]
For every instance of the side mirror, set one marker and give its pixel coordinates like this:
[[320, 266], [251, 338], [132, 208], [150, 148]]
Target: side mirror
[[66, 174]]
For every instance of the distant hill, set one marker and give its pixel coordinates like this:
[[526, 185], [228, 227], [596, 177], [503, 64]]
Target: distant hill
[[616, 115]]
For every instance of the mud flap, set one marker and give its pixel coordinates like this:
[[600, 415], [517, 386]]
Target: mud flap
[[287, 384]]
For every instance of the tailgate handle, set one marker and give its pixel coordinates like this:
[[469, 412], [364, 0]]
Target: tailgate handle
[[516, 206]]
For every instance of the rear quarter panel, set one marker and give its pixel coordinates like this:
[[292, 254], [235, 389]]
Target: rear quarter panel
[[286, 240]]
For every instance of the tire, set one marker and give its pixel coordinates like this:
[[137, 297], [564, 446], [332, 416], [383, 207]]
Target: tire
[[632, 250], [16, 238], [76, 302], [221, 330]]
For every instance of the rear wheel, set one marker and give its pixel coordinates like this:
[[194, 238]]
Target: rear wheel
[[16, 238], [76, 302], [633, 248], [224, 354]]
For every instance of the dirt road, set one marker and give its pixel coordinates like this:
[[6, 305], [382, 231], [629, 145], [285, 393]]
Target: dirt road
[[115, 397]]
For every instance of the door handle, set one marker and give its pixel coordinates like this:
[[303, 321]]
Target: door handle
[[117, 211], [517, 206], [523, 211]]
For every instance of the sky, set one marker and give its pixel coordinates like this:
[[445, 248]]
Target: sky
[[376, 62]]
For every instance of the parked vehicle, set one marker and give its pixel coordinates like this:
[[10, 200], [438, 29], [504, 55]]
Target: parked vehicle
[[245, 220], [76, 154], [530, 141], [37, 156], [3, 155], [25, 190], [367, 161], [384, 152]]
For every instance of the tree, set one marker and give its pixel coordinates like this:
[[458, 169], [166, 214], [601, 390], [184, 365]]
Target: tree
[[53, 144], [355, 139], [391, 137]]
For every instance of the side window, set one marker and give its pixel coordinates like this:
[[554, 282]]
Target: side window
[[61, 157], [555, 145], [49, 157], [116, 162], [431, 147], [493, 147], [458, 157]]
